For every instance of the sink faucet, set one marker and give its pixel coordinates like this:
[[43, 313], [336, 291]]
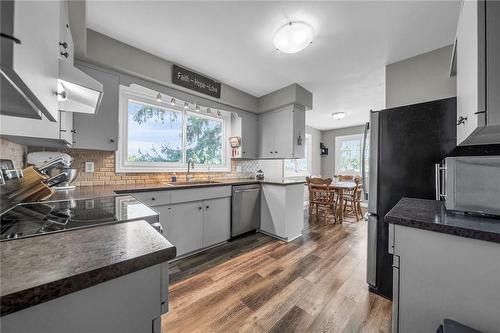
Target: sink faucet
[[189, 177]]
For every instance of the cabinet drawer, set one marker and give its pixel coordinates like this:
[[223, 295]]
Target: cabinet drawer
[[202, 193], [153, 198]]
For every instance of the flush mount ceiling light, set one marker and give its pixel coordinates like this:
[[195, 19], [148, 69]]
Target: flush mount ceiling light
[[338, 115], [293, 37]]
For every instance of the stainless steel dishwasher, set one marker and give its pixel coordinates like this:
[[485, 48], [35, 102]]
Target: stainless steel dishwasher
[[245, 209]]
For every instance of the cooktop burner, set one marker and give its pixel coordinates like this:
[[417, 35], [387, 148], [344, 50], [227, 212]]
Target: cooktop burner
[[40, 218]]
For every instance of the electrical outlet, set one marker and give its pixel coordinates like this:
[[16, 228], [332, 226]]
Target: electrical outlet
[[89, 166]]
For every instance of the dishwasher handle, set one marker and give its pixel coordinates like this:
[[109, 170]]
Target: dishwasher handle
[[247, 190]]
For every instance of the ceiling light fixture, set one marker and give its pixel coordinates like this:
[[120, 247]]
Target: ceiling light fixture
[[197, 108], [338, 115], [209, 110], [293, 37], [158, 98], [219, 113], [172, 101], [186, 105]]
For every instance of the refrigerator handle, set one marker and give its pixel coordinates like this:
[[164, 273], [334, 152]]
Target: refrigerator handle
[[363, 160], [437, 175]]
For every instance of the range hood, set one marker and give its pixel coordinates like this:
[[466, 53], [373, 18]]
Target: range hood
[[81, 93]]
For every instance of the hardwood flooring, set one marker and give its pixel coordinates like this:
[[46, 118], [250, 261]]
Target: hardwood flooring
[[259, 284]]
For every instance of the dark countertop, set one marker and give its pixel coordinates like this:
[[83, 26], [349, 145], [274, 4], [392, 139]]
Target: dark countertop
[[39, 269], [432, 215]]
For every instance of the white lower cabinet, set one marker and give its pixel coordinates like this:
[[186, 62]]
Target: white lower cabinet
[[216, 222], [438, 276], [183, 225], [192, 225]]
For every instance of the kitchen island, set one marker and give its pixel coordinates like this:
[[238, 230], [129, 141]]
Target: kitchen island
[[446, 265], [106, 277]]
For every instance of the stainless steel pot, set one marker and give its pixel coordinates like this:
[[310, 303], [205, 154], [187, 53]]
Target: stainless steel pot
[[71, 176]]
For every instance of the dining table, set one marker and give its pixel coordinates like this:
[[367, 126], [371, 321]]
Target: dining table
[[341, 188]]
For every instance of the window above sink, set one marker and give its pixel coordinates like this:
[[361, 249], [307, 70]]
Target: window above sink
[[159, 135]]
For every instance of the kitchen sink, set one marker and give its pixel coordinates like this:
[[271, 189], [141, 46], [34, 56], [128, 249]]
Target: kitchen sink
[[192, 182]]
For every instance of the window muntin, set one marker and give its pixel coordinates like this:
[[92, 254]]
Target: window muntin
[[348, 151]]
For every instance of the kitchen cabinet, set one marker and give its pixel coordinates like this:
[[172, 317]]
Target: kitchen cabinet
[[192, 219], [39, 132], [183, 225], [99, 131], [216, 221], [282, 210], [29, 43], [437, 275], [66, 45], [477, 58], [245, 126], [282, 133], [129, 304]]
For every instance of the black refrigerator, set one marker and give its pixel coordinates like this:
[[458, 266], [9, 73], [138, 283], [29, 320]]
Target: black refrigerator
[[404, 145]]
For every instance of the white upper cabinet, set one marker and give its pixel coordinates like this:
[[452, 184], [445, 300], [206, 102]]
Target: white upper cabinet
[[478, 75], [282, 133], [245, 127], [30, 50]]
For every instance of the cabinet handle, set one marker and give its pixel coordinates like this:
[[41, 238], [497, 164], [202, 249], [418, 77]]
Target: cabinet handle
[[65, 54], [73, 131], [461, 120], [200, 208], [207, 207], [244, 152], [62, 130], [153, 199], [271, 152], [111, 140], [64, 44], [12, 38], [275, 152], [479, 112]]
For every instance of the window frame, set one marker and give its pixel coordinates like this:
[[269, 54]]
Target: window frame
[[338, 141], [308, 172], [146, 96]]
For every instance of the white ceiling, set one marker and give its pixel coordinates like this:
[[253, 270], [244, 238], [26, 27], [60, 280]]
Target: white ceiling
[[232, 42]]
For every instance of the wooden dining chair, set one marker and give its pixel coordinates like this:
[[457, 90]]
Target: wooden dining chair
[[352, 200], [323, 196]]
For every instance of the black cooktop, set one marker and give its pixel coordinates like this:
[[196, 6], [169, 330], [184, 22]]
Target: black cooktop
[[53, 216]]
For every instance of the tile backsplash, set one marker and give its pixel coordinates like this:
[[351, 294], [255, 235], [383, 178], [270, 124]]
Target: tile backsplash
[[104, 170], [12, 151]]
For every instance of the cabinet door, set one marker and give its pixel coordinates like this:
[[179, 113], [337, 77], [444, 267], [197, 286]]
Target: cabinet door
[[249, 137], [283, 131], [266, 134], [66, 126], [467, 70], [35, 60], [183, 225], [299, 133], [216, 223], [99, 131]]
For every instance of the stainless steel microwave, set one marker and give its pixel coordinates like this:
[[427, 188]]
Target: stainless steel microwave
[[469, 184]]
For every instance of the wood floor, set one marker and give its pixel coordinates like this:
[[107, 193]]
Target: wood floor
[[258, 284]]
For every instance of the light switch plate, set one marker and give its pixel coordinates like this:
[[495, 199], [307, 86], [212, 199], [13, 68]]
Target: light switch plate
[[89, 166]]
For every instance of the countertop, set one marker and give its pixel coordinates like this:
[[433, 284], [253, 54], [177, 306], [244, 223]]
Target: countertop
[[39, 269], [432, 215], [86, 192]]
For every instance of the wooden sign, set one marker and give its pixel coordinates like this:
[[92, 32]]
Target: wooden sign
[[195, 81]]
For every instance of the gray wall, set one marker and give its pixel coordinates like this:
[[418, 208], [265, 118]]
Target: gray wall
[[420, 79], [328, 138], [316, 157]]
